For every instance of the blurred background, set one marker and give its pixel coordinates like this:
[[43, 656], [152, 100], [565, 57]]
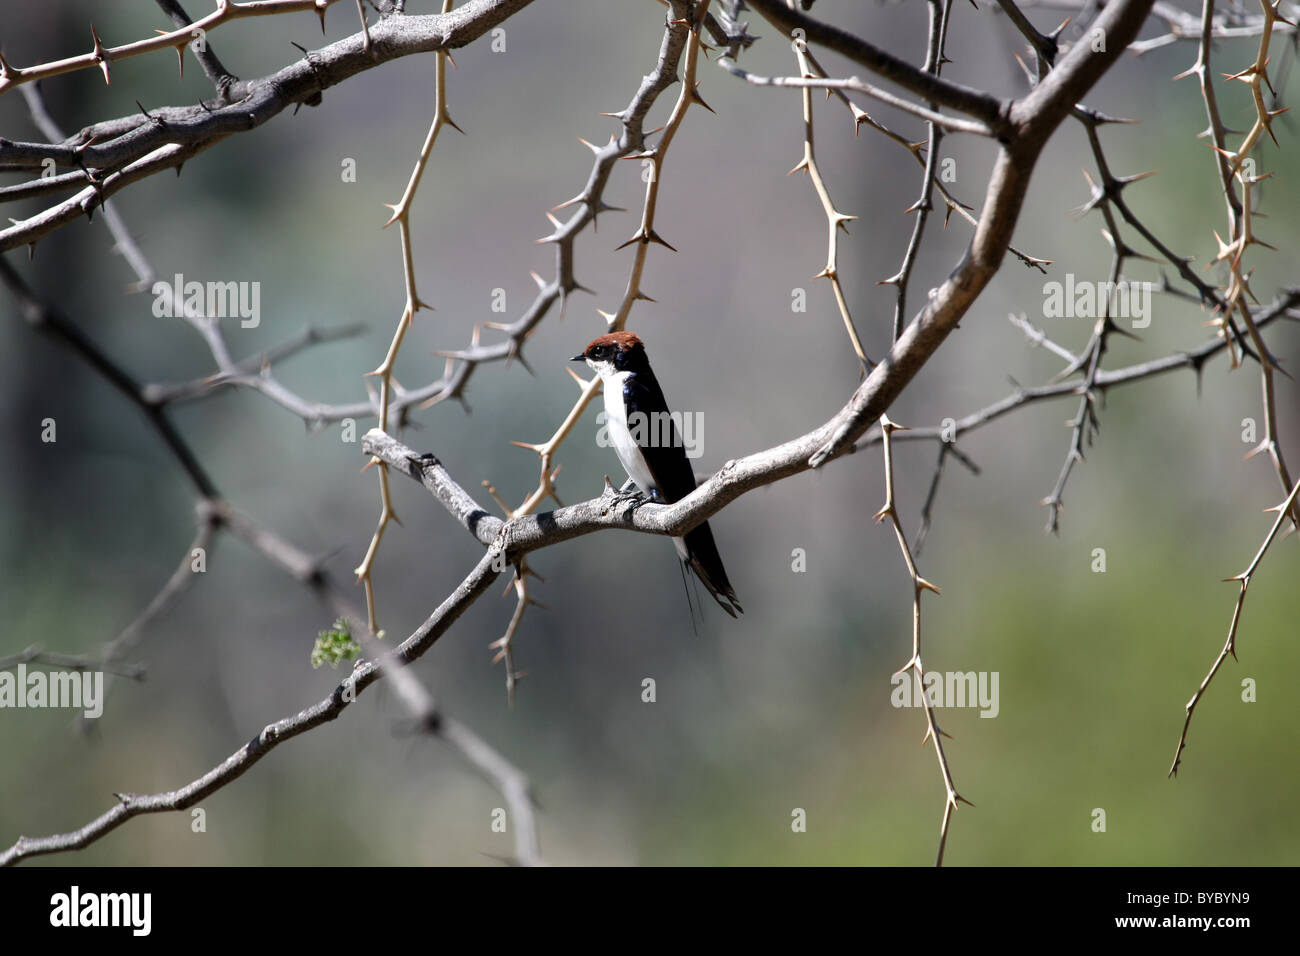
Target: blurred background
[[788, 707]]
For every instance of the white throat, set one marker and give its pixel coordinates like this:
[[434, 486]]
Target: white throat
[[620, 436], [603, 369]]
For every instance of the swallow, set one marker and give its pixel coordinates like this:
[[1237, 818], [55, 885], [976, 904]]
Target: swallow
[[649, 446]]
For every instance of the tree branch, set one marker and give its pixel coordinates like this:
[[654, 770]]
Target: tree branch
[[141, 145]]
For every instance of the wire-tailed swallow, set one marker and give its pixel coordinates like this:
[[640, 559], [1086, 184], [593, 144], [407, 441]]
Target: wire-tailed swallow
[[653, 452]]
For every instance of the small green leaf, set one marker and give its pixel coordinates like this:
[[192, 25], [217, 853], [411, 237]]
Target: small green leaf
[[334, 645]]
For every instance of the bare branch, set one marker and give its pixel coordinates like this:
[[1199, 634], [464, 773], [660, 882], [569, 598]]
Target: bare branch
[[1230, 645], [136, 146], [992, 111], [271, 736]]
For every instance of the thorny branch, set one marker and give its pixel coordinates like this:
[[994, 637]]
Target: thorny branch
[[835, 220], [272, 735], [215, 514], [681, 38], [115, 153], [402, 216], [1230, 645], [919, 586], [101, 57]]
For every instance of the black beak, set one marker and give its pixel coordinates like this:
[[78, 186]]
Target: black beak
[[578, 358]]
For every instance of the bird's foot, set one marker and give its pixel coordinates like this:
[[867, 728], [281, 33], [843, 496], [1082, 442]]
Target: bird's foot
[[629, 494]]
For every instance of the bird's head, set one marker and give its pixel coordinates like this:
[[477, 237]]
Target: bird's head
[[613, 353]]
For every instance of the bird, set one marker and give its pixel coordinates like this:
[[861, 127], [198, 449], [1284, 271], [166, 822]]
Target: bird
[[654, 457]]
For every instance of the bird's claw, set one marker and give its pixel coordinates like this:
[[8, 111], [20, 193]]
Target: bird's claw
[[628, 494], [633, 497]]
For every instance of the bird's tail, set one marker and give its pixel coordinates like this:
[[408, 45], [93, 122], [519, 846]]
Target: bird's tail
[[701, 556]]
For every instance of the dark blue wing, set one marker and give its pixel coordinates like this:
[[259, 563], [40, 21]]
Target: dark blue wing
[[658, 438]]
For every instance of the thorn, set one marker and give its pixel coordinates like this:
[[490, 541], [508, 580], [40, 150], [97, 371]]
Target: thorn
[[99, 53], [1267, 120], [1024, 68], [516, 353], [910, 665], [655, 237], [1125, 180], [581, 197], [555, 236], [321, 7], [696, 98], [1101, 119], [446, 118], [860, 116]]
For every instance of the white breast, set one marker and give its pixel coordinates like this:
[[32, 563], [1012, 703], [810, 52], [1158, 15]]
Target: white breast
[[626, 449]]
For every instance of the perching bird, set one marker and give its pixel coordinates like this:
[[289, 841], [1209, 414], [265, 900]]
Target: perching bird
[[654, 456]]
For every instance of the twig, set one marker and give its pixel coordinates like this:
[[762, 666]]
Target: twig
[[402, 216], [835, 220], [919, 586], [1230, 646]]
